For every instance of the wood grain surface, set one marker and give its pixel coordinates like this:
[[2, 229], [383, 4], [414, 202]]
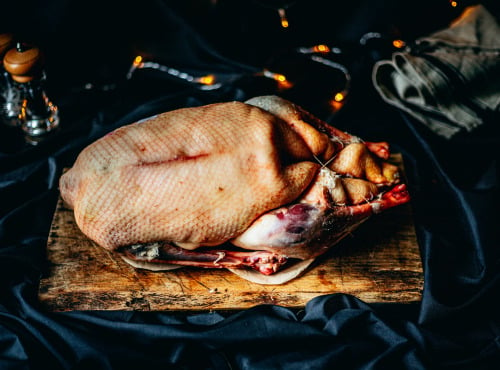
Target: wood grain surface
[[379, 262]]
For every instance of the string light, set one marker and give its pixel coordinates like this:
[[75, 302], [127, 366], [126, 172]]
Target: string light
[[338, 97], [317, 53], [321, 48], [338, 100], [137, 60], [207, 80], [398, 44], [283, 18], [135, 64], [454, 3], [210, 81], [283, 82], [369, 36], [281, 6]]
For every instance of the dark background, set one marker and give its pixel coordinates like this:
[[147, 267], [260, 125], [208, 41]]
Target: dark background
[[88, 49]]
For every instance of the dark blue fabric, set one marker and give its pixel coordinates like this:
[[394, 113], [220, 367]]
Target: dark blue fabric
[[454, 186]]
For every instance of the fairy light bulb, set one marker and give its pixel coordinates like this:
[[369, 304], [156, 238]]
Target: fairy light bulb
[[321, 48], [454, 4], [283, 82], [338, 100], [283, 18], [279, 77], [398, 44], [339, 97], [137, 61], [207, 80]]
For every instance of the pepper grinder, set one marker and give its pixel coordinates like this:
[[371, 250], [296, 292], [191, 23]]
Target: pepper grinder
[[38, 115], [10, 93]]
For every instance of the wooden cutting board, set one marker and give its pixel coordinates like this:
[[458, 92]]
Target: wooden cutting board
[[379, 262]]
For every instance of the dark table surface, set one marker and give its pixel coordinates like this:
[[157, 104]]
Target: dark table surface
[[89, 48]]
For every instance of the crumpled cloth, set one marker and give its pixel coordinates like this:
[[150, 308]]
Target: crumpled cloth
[[449, 80]]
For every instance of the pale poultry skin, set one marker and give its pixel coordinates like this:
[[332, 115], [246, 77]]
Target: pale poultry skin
[[226, 173]]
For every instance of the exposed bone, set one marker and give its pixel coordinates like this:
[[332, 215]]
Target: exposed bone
[[265, 262]]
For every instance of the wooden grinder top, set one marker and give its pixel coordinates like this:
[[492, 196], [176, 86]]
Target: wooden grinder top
[[23, 62]]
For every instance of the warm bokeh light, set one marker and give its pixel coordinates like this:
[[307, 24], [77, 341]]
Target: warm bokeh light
[[321, 48], [453, 4], [338, 101], [335, 105], [338, 97], [279, 77], [137, 63], [207, 80], [398, 44], [137, 60], [283, 82], [284, 85], [284, 20]]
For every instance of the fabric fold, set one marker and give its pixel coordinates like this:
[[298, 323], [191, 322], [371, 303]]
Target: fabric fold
[[448, 80]]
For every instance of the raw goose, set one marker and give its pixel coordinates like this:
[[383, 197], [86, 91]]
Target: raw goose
[[253, 187]]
